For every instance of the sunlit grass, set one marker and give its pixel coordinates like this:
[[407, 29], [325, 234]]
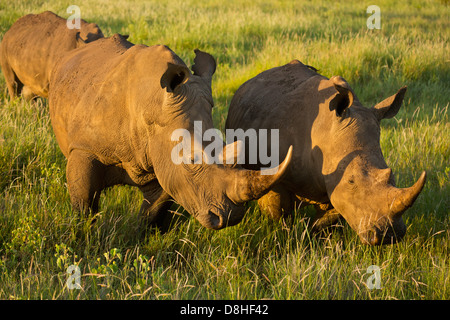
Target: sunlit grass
[[40, 235]]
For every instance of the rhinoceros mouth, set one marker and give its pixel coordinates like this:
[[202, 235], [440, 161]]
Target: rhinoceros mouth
[[216, 220], [220, 218], [377, 236], [211, 219]]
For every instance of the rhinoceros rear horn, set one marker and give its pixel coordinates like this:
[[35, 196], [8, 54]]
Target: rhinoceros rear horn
[[232, 153], [253, 184], [402, 199], [174, 76]]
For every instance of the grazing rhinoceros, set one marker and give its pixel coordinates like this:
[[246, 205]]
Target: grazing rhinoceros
[[32, 46], [337, 163], [114, 107]]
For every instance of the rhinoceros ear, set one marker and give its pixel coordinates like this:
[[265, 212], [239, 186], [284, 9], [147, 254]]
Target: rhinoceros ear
[[204, 65], [174, 76], [80, 41], [344, 98], [389, 107]]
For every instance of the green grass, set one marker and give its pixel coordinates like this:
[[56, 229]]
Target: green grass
[[40, 235]]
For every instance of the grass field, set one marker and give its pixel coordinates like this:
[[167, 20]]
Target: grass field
[[40, 235]]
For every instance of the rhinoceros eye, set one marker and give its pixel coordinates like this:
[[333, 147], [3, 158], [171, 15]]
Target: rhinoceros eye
[[351, 180], [351, 183]]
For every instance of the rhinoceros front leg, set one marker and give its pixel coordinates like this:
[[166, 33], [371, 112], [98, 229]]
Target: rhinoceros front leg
[[85, 179], [326, 215], [156, 203], [277, 203]]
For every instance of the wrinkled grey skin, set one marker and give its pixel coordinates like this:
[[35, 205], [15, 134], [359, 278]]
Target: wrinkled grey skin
[[337, 163], [32, 46], [114, 107]]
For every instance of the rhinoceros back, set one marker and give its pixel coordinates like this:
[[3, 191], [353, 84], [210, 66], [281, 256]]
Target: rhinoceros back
[[82, 105], [277, 99], [104, 95], [33, 45], [264, 96]]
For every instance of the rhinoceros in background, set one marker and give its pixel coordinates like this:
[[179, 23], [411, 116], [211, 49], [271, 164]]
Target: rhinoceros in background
[[337, 163], [114, 107], [32, 46]]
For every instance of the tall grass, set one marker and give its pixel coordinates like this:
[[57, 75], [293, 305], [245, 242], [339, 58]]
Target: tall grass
[[40, 235]]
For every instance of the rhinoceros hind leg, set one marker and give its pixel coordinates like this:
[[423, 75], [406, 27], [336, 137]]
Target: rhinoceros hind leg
[[85, 176], [12, 82], [277, 203], [326, 215]]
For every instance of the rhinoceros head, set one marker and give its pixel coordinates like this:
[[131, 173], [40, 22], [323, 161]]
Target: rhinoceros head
[[212, 192], [88, 32], [358, 181]]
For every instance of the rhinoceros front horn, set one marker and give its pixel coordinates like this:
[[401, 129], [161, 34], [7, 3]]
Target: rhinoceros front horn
[[402, 199], [253, 184]]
